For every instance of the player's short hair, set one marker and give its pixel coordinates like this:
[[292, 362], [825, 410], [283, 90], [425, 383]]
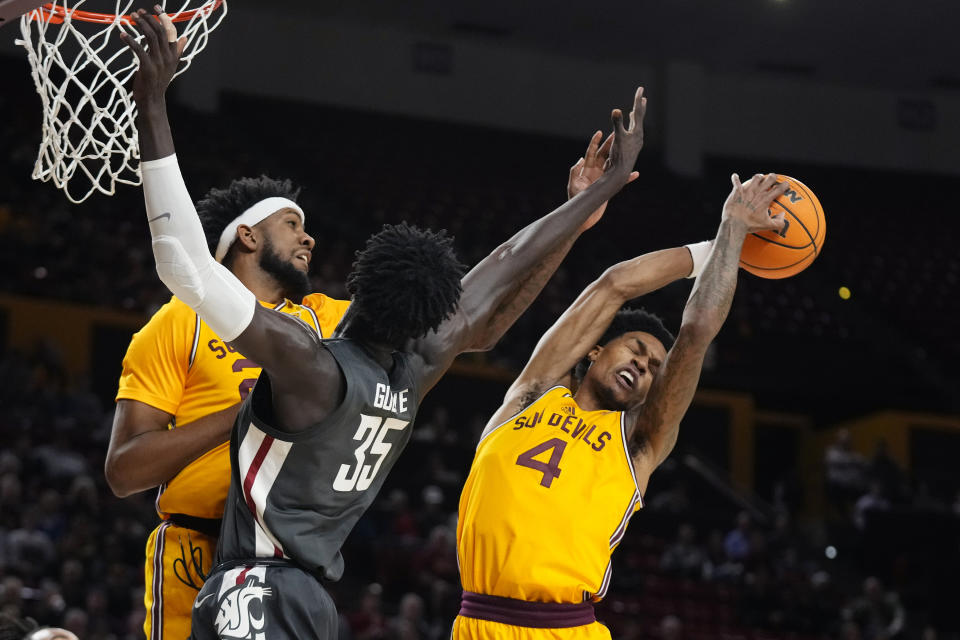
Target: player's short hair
[[404, 283], [625, 321], [219, 207]]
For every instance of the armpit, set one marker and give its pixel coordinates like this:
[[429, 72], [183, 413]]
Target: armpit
[[528, 398]]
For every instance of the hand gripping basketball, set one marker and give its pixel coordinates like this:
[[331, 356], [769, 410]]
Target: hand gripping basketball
[[160, 58], [749, 202]]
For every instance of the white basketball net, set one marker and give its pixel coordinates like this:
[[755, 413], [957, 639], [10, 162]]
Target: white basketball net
[[82, 72]]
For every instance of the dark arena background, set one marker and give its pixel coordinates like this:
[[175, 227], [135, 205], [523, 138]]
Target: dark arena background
[[814, 490]]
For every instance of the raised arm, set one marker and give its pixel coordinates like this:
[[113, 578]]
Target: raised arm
[[280, 344], [657, 422], [583, 173], [529, 257], [583, 323]]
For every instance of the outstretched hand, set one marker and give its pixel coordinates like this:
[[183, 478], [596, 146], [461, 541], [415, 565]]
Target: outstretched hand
[[627, 142], [749, 202], [590, 167], [158, 59]]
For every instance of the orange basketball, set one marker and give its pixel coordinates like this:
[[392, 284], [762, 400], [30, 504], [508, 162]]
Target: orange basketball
[[773, 254]]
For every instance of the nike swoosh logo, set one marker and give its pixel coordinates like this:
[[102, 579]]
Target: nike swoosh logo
[[159, 217], [196, 605]]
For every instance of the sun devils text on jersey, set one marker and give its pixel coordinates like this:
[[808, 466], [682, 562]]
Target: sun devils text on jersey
[[552, 462]]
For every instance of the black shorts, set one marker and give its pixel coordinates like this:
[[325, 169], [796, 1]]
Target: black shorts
[[255, 601]]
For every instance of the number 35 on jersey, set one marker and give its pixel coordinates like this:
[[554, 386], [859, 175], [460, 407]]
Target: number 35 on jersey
[[372, 434]]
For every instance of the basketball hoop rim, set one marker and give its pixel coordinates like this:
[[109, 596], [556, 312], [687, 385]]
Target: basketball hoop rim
[[54, 13]]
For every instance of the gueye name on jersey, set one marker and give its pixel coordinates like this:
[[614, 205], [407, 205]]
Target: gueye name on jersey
[[570, 424], [384, 398]]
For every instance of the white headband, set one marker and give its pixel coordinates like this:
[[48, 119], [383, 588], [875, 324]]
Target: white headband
[[257, 213]]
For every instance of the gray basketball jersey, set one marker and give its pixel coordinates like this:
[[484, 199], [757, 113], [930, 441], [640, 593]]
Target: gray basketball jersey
[[298, 495]]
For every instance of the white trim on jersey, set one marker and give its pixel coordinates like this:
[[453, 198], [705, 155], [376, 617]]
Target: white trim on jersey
[[514, 416], [161, 488], [622, 528], [262, 456], [316, 320], [606, 580], [156, 609], [196, 342], [614, 541], [626, 452]]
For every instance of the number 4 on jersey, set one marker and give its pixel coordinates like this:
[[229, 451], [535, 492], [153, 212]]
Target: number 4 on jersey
[[549, 469], [371, 433]]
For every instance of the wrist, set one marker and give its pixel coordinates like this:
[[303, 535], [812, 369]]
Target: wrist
[[612, 179], [151, 109], [735, 225], [699, 252]]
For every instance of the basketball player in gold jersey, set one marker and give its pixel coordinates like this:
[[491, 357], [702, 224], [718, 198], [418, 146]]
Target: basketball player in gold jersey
[[181, 385], [558, 472]]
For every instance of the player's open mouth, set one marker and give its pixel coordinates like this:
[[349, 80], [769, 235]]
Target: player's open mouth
[[305, 257], [627, 378]]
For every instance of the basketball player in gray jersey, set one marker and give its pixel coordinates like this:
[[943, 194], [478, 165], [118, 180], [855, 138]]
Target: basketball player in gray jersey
[[327, 420]]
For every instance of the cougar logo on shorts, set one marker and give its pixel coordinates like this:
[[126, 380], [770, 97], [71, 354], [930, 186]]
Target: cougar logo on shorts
[[235, 619]]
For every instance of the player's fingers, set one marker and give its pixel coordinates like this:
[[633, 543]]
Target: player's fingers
[[156, 27], [593, 145], [770, 181], [776, 189], [636, 114], [735, 180], [132, 43], [143, 22], [167, 23], [604, 151], [181, 45], [777, 221], [135, 22], [633, 176], [616, 118], [576, 168]]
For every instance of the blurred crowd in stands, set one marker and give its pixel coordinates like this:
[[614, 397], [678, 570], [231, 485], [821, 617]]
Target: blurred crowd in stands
[[695, 564]]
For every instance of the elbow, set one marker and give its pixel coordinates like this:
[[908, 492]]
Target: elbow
[[484, 336], [180, 272], [486, 341], [116, 479], [614, 284], [482, 346]]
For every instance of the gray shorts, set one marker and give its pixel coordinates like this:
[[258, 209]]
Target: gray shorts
[[258, 601]]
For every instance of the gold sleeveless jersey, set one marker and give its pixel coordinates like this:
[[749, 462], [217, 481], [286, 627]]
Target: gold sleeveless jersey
[[176, 363], [547, 500]]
